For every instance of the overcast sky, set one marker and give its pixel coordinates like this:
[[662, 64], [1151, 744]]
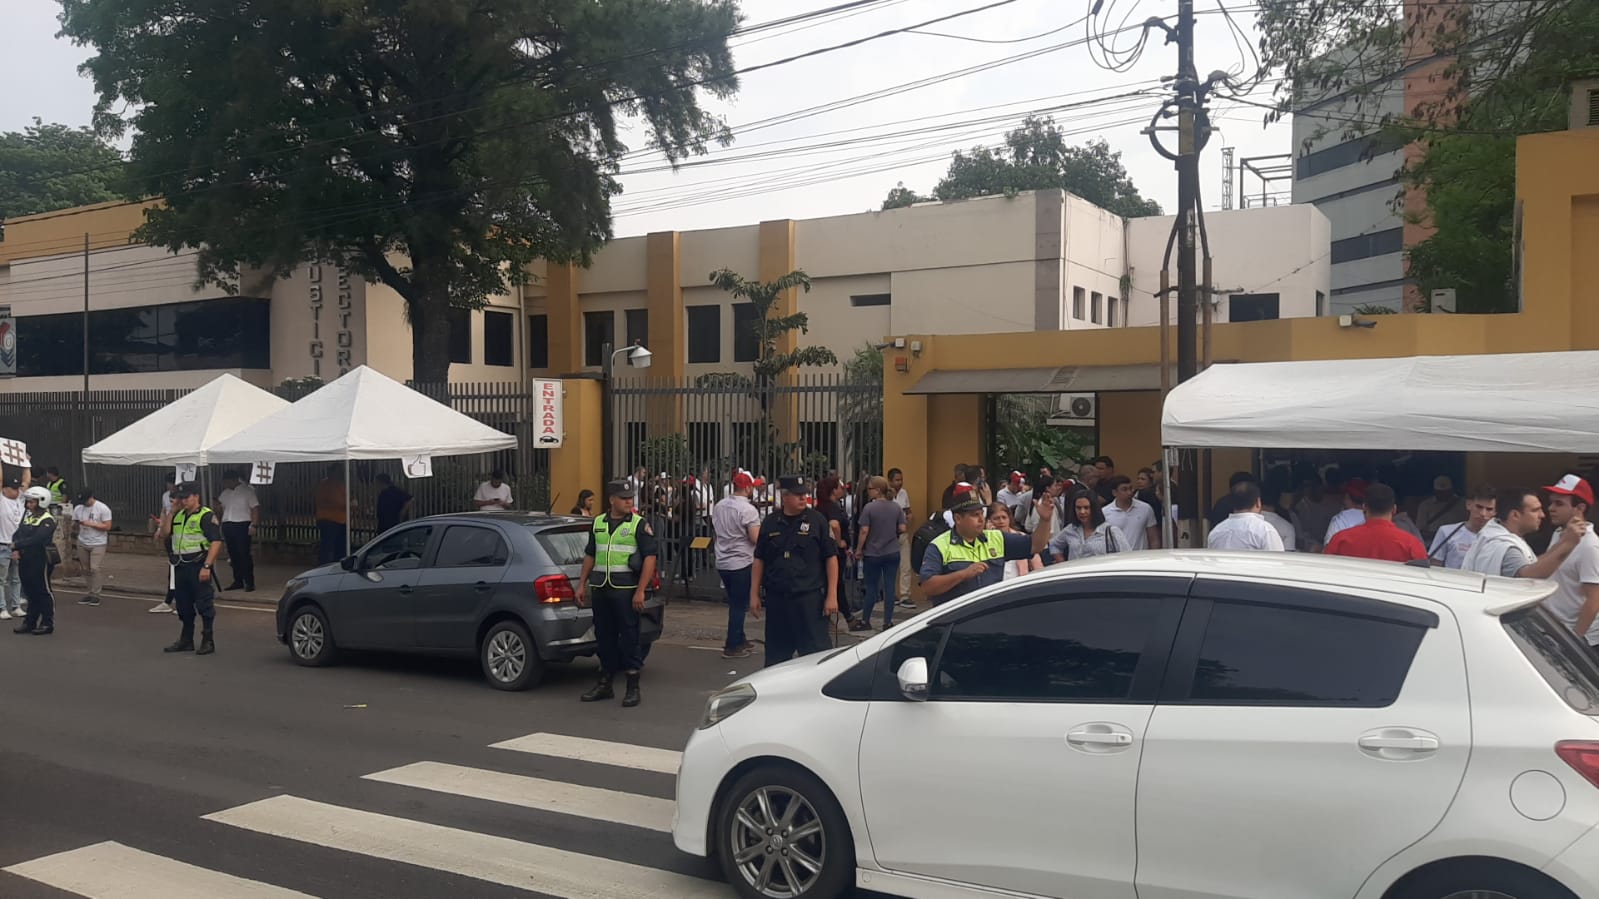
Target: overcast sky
[[846, 159]]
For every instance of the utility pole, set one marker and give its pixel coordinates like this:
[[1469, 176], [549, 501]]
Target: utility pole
[[1187, 193], [84, 435]]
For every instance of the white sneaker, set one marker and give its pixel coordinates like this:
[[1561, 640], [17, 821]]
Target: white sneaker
[[159, 607], [4, 615]]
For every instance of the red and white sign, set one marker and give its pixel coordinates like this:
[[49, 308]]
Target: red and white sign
[[549, 425]]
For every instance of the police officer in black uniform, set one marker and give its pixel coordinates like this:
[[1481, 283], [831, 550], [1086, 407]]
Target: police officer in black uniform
[[193, 537], [796, 563], [618, 566]]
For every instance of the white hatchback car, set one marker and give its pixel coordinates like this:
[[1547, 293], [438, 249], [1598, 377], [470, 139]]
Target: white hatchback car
[[1170, 725]]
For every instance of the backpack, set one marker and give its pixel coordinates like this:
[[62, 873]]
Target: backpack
[[924, 537]]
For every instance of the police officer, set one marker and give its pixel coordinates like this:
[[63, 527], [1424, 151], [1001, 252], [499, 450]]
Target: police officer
[[194, 538], [969, 557], [796, 563], [618, 565]]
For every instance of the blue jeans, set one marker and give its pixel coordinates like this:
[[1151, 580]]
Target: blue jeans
[[10, 581], [737, 584], [881, 572]]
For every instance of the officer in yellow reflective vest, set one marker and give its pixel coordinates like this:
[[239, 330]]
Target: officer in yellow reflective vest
[[618, 567], [969, 557], [193, 537]]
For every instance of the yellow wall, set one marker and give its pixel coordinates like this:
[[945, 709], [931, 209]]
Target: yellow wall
[[53, 233], [576, 465]]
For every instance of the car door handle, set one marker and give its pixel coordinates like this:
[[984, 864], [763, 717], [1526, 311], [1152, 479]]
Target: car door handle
[[1099, 737], [481, 586], [405, 588], [1416, 743], [1398, 743]]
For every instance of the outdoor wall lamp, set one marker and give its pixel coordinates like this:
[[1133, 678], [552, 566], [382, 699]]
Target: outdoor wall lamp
[[1350, 321]]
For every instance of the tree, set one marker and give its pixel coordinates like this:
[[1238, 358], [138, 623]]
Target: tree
[[45, 167], [770, 328], [1036, 157], [435, 146], [296, 389], [901, 196]]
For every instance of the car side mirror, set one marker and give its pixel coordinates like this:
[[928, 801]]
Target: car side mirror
[[913, 679], [347, 563]]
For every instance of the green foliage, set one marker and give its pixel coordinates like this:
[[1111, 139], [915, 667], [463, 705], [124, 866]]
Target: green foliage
[[1036, 157], [1373, 309], [901, 196], [295, 389], [46, 167], [435, 146], [669, 453], [1024, 439], [770, 327]]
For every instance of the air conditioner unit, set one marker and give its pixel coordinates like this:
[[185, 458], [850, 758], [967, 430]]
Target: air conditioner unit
[[1075, 409], [1584, 104]]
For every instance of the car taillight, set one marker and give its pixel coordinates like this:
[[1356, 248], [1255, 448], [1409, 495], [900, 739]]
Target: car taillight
[[1582, 755], [554, 588]]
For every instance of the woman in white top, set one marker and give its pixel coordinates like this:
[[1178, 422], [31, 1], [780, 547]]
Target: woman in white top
[[999, 519], [1088, 534]]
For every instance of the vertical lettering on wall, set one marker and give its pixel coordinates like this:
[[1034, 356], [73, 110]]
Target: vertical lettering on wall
[[345, 340], [315, 274]]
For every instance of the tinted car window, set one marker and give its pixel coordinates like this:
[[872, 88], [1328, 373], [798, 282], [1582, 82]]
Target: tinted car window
[[1564, 660], [1083, 649], [565, 545], [399, 550], [469, 547], [1270, 655]]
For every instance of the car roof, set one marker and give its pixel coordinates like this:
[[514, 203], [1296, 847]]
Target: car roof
[[528, 519], [1466, 589]]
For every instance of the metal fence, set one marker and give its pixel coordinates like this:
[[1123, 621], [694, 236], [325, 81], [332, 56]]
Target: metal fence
[[56, 426], [690, 436]]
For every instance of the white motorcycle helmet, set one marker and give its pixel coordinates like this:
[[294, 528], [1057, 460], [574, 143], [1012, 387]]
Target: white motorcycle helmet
[[42, 494]]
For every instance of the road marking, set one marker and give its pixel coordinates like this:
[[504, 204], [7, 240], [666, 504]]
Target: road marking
[[603, 752], [115, 871], [492, 859], [531, 792]]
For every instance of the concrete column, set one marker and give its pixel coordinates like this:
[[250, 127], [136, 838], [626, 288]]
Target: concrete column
[[578, 463], [668, 340], [565, 318], [776, 260]]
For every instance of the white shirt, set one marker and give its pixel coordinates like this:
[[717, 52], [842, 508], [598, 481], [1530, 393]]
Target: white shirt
[[99, 512], [498, 498], [236, 502], [11, 514], [1010, 499], [1581, 567], [1245, 530], [903, 499], [732, 519], [1343, 521], [1285, 529], [1451, 544], [1135, 522], [166, 502]]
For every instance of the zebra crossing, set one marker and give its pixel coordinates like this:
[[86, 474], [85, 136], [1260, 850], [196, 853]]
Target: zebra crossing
[[113, 870]]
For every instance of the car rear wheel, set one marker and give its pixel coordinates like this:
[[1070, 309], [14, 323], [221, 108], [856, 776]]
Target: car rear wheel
[[310, 638], [510, 660], [782, 835], [1477, 881]]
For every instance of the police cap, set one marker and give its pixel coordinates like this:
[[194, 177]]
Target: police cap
[[188, 488], [621, 489], [796, 484]]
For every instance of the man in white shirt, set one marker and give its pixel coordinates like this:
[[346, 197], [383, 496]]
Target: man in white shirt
[[1354, 513], [1133, 516], [1576, 601], [1014, 493], [1246, 528], [902, 498], [493, 495], [1451, 543], [94, 526], [1444, 509], [1501, 549], [241, 515], [12, 509], [738, 527]]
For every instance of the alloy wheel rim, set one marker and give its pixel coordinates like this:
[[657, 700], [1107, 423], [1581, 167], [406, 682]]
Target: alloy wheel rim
[[308, 636], [507, 656], [778, 842]]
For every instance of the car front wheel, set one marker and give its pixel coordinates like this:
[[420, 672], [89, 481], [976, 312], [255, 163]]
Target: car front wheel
[[782, 835], [510, 661], [310, 638]]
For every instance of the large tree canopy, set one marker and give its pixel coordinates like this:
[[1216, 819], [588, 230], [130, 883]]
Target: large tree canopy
[[45, 167], [1036, 157], [436, 146]]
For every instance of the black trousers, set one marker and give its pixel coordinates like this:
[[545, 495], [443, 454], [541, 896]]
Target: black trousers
[[194, 598], [795, 624], [616, 626], [237, 536], [35, 573]]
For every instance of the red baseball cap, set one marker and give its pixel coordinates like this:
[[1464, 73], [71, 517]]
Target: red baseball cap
[[1571, 485], [961, 489], [1016, 478], [743, 481], [1356, 488]]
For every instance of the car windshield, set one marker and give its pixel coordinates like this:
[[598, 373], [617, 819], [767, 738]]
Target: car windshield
[[1563, 660], [565, 544]]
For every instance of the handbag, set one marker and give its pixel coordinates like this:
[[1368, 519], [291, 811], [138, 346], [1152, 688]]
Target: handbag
[[51, 554]]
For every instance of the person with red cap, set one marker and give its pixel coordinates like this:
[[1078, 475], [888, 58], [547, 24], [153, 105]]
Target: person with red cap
[[737, 525], [1378, 538], [1353, 514], [1576, 599]]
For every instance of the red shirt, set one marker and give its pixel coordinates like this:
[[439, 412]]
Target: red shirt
[[1378, 538]]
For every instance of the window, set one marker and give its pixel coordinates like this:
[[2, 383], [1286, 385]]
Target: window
[[400, 551], [1564, 659], [1079, 303], [469, 547], [872, 299], [638, 327], [1365, 246], [599, 331], [1361, 149], [1252, 307], [746, 345], [1079, 650], [1271, 655], [1321, 303], [461, 335], [229, 332], [1110, 311], [538, 341], [1094, 312], [704, 333], [499, 338], [565, 546]]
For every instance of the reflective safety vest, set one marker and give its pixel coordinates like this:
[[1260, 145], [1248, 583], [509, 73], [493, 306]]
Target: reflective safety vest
[[188, 537], [614, 552], [37, 518], [58, 491], [988, 547]]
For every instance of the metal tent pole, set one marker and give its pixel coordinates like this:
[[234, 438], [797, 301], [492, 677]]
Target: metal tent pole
[[347, 522]]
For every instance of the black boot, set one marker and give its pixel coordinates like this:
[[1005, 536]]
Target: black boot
[[44, 630], [631, 697], [206, 646], [23, 628], [602, 689], [185, 641]]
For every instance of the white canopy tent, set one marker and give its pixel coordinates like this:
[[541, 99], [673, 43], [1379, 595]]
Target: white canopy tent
[[362, 415], [186, 430]]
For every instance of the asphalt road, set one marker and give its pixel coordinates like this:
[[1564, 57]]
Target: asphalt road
[[112, 753]]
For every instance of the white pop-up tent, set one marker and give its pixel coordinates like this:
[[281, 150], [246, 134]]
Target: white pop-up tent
[[186, 430], [1514, 402]]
